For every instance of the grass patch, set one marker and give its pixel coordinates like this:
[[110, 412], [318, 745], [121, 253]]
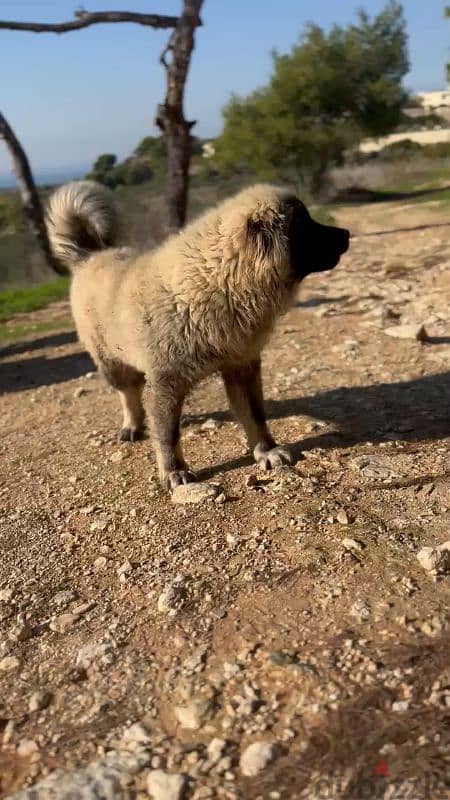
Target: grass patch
[[22, 301], [13, 333]]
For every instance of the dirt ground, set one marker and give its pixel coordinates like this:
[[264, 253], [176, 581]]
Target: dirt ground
[[144, 638]]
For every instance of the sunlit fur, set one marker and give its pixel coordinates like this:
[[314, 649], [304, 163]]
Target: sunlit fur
[[205, 300]]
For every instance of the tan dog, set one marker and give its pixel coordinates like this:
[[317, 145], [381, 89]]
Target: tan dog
[[205, 301]]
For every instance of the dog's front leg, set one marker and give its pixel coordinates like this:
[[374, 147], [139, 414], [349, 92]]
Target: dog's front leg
[[166, 402], [243, 386]]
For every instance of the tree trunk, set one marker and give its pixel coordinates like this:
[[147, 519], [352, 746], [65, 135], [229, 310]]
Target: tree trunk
[[170, 117], [28, 193]]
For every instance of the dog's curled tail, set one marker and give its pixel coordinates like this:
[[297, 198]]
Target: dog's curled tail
[[81, 218]]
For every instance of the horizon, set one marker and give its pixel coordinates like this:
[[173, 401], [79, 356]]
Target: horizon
[[232, 55]]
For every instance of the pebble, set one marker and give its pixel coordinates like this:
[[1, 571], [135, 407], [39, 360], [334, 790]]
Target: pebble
[[374, 468], [118, 456], [79, 392], [105, 779], [210, 424], [435, 559], [400, 705], [361, 610], [9, 664], [135, 736], [195, 493], [125, 569], [342, 517], [63, 623], [100, 563], [27, 748], [215, 749], [97, 652], [62, 599], [192, 715], [39, 700], [352, 545], [20, 632], [256, 757], [171, 598], [162, 786], [6, 595], [99, 525]]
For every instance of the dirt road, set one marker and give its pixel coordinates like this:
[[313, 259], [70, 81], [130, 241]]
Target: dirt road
[[141, 639]]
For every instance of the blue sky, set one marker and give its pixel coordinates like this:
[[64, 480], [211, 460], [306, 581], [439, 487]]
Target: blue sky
[[73, 96]]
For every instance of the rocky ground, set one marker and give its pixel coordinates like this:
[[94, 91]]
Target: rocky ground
[[280, 641]]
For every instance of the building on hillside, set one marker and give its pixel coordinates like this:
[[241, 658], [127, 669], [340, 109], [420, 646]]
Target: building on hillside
[[432, 101], [208, 150]]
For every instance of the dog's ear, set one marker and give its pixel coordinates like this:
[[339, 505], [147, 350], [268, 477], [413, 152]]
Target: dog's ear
[[264, 235]]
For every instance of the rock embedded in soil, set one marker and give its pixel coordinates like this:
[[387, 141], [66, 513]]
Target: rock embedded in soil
[[110, 778], [352, 545], [163, 786], [27, 748], [373, 468], [192, 714], [39, 700], [256, 757], [9, 664], [195, 493], [172, 597], [97, 653], [135, 737], [435, 559]]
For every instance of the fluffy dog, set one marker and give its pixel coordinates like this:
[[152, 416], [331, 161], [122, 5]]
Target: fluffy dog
[[205, 301]]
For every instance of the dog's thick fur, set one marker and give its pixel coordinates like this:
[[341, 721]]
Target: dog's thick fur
[[205, 301]]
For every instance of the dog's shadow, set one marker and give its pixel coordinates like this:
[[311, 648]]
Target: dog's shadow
[[413, 411]]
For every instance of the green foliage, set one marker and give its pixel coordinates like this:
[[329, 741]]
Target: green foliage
[[21, 301], [408, 149], [146, 163], [12, 219], [400, 151], [422, 122], [151, 147], [105, 162], [323, 97]]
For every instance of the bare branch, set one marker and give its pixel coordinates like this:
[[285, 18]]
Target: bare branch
[[28, 193], [83, 19]]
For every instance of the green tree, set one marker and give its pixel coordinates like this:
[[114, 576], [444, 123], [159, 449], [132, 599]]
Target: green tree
[[322, 98]]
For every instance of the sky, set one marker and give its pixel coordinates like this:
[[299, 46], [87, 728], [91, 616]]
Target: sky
[[71, 97]]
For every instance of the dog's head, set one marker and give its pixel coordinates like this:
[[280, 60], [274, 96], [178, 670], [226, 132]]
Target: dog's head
[[281, 232], [313, 247]]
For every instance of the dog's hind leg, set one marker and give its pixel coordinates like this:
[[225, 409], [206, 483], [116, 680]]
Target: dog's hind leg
[[244, 390], [133, 413], [130, 386], [166, 402]]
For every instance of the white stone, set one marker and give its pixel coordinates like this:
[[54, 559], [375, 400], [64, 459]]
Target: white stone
[[162, 786], [256, 757], [195, 493], [9, 663]]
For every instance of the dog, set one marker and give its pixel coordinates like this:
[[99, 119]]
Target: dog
[[204, 301]]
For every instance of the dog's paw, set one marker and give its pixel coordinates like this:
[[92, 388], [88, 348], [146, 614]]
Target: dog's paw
[[178, 477], [130, 435], [275, 457]]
